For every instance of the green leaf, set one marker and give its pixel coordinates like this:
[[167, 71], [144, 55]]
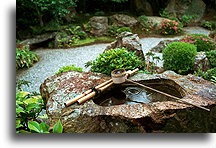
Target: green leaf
[[31, 100], [35, 126], [58, 128], [44, 127]]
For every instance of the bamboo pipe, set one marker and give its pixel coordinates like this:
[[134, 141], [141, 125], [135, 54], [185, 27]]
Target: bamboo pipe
[[101, 87], [92, 94], [68, 103], [104, 87], [167, 94]]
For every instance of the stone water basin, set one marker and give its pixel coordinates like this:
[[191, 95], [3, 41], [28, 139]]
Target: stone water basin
[[130, 94], [133, 109]]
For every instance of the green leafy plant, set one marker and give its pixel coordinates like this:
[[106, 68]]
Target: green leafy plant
[[115, 59], [179, 57], [187, 19], [170, 27], [143, 20], [44, 128], [164, 13], [208, 75], [28, 107], [25, 58], [69, 68], [123, 29], [115, 30], [208, 25], [203, 42], [211, 55]]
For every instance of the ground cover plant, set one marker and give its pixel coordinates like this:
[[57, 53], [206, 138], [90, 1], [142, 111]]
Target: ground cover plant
[[179, 57], [202, 42], [25, 58], [115, 59], [68, 68]]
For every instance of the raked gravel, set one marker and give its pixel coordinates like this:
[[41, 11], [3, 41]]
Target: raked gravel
[[53, 59]]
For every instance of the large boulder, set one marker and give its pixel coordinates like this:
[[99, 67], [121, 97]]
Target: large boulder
[[155, 22], [128, 40], [143, 7], [161, 45], [39, 39], [201, 62], [179, 8], [123, 20], [158, 116], [99, 25]]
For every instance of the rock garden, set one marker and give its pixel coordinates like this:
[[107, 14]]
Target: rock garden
[[70, 52]]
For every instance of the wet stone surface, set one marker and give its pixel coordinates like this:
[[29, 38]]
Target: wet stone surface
[[154, 116]]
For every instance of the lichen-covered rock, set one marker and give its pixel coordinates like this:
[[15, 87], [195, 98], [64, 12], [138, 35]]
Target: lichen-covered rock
[[201, 62], [123, 20], [161, 45], [179, 8], [99, 25], [165, 116], [143, 7], [128, 40], [155, 22]]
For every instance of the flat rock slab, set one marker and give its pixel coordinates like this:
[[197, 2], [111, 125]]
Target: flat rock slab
[[167, 116]]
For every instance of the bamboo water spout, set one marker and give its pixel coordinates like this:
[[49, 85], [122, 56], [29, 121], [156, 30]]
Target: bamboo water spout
[[99, 88]]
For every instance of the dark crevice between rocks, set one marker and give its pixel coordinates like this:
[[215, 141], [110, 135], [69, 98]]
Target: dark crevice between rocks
[[45, 44]]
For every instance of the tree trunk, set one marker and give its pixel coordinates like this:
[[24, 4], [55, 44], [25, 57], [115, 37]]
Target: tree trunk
[[40, 17]]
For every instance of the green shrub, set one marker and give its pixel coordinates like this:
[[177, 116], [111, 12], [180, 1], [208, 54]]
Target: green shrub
[[187, 19], [68, 68], [25, 58], [179, 57], [208, 25], [203, 42], [115, 59], [212, 57], [208, 75], [170, 27], [143, 20], [115, 30], [123, 29]]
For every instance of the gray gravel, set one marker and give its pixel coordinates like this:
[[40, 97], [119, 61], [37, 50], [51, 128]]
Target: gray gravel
[[53, 59]]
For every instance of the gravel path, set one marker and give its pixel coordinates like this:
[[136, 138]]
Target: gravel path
[[53, 59]]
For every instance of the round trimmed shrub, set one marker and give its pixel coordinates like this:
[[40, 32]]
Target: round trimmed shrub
[[179, 57], [116, 59], [203, 42]]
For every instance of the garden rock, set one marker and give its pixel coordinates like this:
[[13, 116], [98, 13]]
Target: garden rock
[[99, 25], [155, 22], [143, 7], [123, 20], [164, 116], [128, 40], [38, 39], [179, 8], [201, 62], [161, 45]]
